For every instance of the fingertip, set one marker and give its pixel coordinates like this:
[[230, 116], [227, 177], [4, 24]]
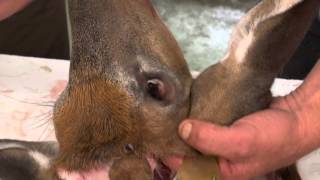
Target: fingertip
[[189, 129], [185, 129], [208, 138]]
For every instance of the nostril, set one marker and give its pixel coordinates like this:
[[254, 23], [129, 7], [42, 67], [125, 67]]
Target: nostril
[[156, 89]]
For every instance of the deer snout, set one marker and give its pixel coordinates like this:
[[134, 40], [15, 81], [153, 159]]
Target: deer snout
[[161, 97]]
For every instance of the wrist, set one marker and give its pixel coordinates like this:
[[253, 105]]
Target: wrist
[[305, 105]]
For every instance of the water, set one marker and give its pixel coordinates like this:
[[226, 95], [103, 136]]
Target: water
[[202, 28]]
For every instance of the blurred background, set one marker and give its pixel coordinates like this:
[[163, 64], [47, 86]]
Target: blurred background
[[38, 28], [202, 27]]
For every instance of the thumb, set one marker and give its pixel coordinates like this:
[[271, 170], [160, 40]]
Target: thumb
[[232, 143]]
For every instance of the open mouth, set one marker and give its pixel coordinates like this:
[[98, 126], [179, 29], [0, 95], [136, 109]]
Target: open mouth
[[163, 173], [159, 169]]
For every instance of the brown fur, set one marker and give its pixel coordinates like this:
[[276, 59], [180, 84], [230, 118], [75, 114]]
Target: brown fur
[[117, 46], [93, 114], [131, 169]]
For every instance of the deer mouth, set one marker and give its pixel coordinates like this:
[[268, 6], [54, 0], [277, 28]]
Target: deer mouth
[[159, 169]]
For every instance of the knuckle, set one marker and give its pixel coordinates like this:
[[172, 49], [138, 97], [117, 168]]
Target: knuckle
[[243, 151], [202, 142], [245, 145], [200, 136]]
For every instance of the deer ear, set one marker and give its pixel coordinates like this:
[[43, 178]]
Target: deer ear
[[271, 32]]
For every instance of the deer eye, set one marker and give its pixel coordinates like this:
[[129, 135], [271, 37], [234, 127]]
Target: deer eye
[[156, 89], [128, 148]]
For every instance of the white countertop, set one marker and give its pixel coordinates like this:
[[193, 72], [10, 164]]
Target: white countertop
[[28, 89]]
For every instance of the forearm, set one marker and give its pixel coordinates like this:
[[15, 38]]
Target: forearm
[[10, 7]]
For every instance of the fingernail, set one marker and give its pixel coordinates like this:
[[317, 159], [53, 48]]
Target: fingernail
[[185, 130]]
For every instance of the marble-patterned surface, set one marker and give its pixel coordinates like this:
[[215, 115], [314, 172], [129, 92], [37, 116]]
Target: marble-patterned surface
[[29, 87]]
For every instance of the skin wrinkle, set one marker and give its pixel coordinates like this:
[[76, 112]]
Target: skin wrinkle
[[302, 102], [308, 98]]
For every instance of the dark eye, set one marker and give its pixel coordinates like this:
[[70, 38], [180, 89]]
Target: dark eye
[[128, 148], [156, 89]]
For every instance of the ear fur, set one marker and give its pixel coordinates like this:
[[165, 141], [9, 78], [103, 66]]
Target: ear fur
[[268, 35], [261, 44]]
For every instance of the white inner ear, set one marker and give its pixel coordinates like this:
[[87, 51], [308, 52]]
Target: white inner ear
[[41, 159], [279, 7], [10, 145], [243, 47], [244, 33]]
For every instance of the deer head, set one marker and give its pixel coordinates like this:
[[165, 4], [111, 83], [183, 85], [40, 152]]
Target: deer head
[[128, 88]]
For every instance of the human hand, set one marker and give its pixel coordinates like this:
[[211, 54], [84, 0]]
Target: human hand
[[256, 144]]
